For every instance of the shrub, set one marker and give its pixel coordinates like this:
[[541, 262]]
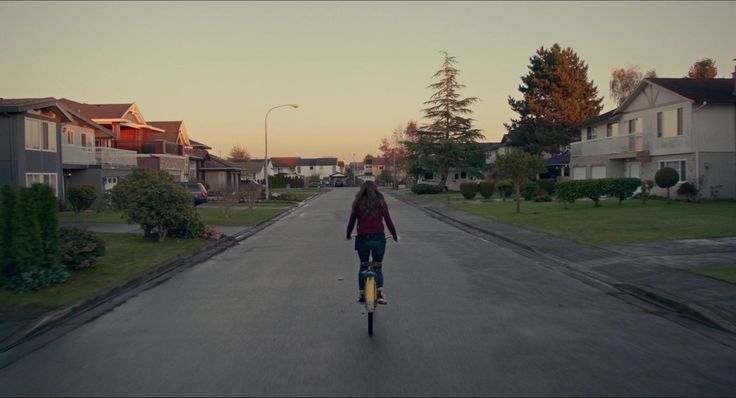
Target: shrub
[[689, 190], [153, 200], [105, 202], [548, 185], [210, 233], [666, 177], [26, 248], [622, 188], [504, 188], [48, 221], [469, 189], [423, 189], [7, 207], [486, 188], [569, 191], [189, 228], [593, 189], [39, 278], [81, 197], [540, 195], [80, 249], [527, 190]]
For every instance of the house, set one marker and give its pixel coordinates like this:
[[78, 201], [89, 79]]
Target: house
[[253, 170], [318, 167], [687, 124], [197, 154], [283, 165], [85, 162], [221, 175], [131, 131], [30, 136]]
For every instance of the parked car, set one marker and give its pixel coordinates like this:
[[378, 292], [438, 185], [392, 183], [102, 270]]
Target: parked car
[[339, 183], [198, 191], [314, 184]]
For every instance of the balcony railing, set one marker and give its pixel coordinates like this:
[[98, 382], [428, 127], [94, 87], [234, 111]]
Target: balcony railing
[[609, 145], [77, 155], [115, 158]]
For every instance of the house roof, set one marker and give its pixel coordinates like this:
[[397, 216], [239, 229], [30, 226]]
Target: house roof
[[97, 111], [603, 117], [254, 166], [102, 129], [16, 105], [317, 162], [284, 161], [562, 159], [196, 153], [197, 144], [699, 90], [173, 130], [217, 163]]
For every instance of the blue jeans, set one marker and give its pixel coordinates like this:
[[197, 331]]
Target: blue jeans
[[370, 245]]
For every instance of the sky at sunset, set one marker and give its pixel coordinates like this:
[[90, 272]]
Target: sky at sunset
[[358, 70]]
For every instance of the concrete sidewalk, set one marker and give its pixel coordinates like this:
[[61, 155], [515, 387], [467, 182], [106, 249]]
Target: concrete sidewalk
[[134, 228], [656, 271]]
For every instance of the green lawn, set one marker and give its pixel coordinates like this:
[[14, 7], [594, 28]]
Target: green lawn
[[209, 215], [631, 222], [725, 273], [127, 255]]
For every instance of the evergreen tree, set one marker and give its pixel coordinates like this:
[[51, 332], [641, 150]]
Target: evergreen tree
[[448, 139], [48, 223], [26, 246], [557, 94], [7, 208]]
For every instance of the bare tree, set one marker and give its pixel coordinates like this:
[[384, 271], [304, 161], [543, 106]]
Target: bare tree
[[703, 69], [238, 153], [624, 81]]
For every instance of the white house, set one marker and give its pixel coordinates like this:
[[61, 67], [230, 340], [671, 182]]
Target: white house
[[322, 167], [687, 124]]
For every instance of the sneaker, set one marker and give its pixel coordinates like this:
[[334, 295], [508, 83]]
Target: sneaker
[[382, 298]]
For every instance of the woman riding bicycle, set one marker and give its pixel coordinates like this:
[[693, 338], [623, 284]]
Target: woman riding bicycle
[[370, 210]]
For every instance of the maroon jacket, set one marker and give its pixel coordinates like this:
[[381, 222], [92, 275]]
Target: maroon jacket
[[371, 224]]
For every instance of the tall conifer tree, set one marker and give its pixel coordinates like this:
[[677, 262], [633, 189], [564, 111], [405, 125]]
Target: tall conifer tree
[[556, 94], [448, 139]]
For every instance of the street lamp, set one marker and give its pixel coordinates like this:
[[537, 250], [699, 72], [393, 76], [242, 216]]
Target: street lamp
[[265, 160]]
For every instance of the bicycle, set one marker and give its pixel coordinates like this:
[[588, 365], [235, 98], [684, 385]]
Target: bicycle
[[371, 294]]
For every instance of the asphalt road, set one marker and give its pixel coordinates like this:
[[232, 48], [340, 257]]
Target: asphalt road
[[276, 315]]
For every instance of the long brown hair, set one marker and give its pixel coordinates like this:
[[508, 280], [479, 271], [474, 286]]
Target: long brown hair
[[368, 199]]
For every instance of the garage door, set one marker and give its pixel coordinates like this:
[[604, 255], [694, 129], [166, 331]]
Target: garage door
[[578, 173], [598, 172]]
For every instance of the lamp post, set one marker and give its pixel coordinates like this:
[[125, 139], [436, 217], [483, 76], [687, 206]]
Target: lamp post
[[265, 159]]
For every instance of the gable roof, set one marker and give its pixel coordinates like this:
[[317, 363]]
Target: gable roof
[[197, 144], [97, 111], [173, 130], [699, 90], [317, 162], [284, 161], [102, 129], [254, 166], [217, 163], [17, 105]]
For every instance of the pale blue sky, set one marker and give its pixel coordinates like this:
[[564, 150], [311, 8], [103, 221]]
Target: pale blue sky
[[358, 69]]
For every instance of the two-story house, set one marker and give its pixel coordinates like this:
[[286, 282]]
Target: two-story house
[[687, 124], [283, 165], [85, 162], [30, 136], [131, 131], [320, 167]]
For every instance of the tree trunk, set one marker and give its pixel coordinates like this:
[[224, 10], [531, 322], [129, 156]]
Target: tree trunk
[[443, 179], [518, 196]]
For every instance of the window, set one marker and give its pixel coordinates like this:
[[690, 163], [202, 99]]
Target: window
[[611, 129], [669, 123], [591, 133], [463, 175], [578, 173], [429, 176], [69, 136], [84, 139], [110, 182], [457, 176], [43, 178], [679, 165], [40, 135], [636, 125]]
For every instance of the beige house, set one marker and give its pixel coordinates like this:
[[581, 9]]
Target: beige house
[[687, 124]]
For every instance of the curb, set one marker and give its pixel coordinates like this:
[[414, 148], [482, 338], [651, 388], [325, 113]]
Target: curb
[[121, 292], [694, 311]]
